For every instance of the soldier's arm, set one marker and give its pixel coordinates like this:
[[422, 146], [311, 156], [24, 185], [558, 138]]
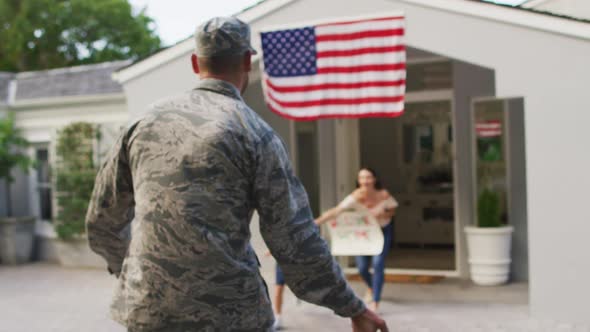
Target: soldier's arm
[[111, 207], [287, 226], [329, 215]]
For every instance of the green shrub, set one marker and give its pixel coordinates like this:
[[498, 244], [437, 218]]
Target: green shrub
[[488, 209], [75, 173]]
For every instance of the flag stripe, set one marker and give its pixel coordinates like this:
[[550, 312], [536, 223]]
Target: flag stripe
[[393, 75], [363, 59], [362, 20], [360, 51], [359, 35], [330, 94], [330, 86], [362, 68], [318, 112], [358, 44], [359, 26], [336, 101], [488, 125], [307, 117], [489, 133]]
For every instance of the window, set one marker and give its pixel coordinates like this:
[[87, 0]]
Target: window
[[490, 138], [43, 184], [427, 146]]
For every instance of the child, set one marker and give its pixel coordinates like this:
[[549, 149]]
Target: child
[[279, 291], [278, 301]]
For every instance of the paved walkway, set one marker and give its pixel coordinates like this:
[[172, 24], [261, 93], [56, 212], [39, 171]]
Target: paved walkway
[[43, 297]]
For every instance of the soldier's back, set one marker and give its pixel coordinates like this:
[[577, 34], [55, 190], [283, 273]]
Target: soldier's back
[[192, 161]]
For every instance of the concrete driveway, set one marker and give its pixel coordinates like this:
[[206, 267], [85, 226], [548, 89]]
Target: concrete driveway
[[44, 297]]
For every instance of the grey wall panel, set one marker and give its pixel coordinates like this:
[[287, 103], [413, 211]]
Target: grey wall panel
[[469, 81], [517, 186]]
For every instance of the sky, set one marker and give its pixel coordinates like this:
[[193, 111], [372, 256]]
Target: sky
[[177, 19]]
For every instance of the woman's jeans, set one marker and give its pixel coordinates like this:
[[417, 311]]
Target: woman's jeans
[[375, 281]]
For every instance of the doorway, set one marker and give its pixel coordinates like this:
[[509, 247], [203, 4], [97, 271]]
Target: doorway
[[413, 155]]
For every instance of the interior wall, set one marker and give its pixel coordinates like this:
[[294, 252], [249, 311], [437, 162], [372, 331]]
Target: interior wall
[[347, 156], [306, 143], [378, 149], [327, 161]]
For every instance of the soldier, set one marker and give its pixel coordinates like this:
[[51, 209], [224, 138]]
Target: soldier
[[191, 173]]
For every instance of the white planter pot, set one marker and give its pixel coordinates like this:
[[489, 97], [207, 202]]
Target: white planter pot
[[77, 253], [489, 254]]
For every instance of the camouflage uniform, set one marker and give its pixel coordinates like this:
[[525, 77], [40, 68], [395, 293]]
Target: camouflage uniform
[[190, 174]]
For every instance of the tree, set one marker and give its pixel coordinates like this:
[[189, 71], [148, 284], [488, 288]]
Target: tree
[[11, 146], [43, 34]]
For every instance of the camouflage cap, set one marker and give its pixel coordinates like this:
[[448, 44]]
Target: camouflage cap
[[223, 36]]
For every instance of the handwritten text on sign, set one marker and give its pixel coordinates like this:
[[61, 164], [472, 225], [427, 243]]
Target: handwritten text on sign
[[355, 234]]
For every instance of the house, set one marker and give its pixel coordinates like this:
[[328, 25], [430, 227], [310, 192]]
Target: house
[[43, 102], [470, 63]]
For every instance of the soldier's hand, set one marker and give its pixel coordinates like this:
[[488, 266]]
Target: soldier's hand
[[368, 321]]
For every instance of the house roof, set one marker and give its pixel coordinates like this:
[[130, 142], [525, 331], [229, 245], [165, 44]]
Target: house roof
[[548, 8], [571, 9], [95, 79], [528, 17]]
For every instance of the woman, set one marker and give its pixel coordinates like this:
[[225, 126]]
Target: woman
[[369, 197]]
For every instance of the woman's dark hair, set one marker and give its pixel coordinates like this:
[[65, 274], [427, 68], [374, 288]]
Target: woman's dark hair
[[378, 184]]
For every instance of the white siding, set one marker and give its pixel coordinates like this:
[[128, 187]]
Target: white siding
[[174, 77], [39, 124]]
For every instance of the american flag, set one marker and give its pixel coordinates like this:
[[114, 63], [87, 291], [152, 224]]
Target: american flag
[[346, 69]]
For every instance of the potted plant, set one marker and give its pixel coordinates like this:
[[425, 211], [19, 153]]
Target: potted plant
[[489, 242], [75, 172], [17, 233]]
